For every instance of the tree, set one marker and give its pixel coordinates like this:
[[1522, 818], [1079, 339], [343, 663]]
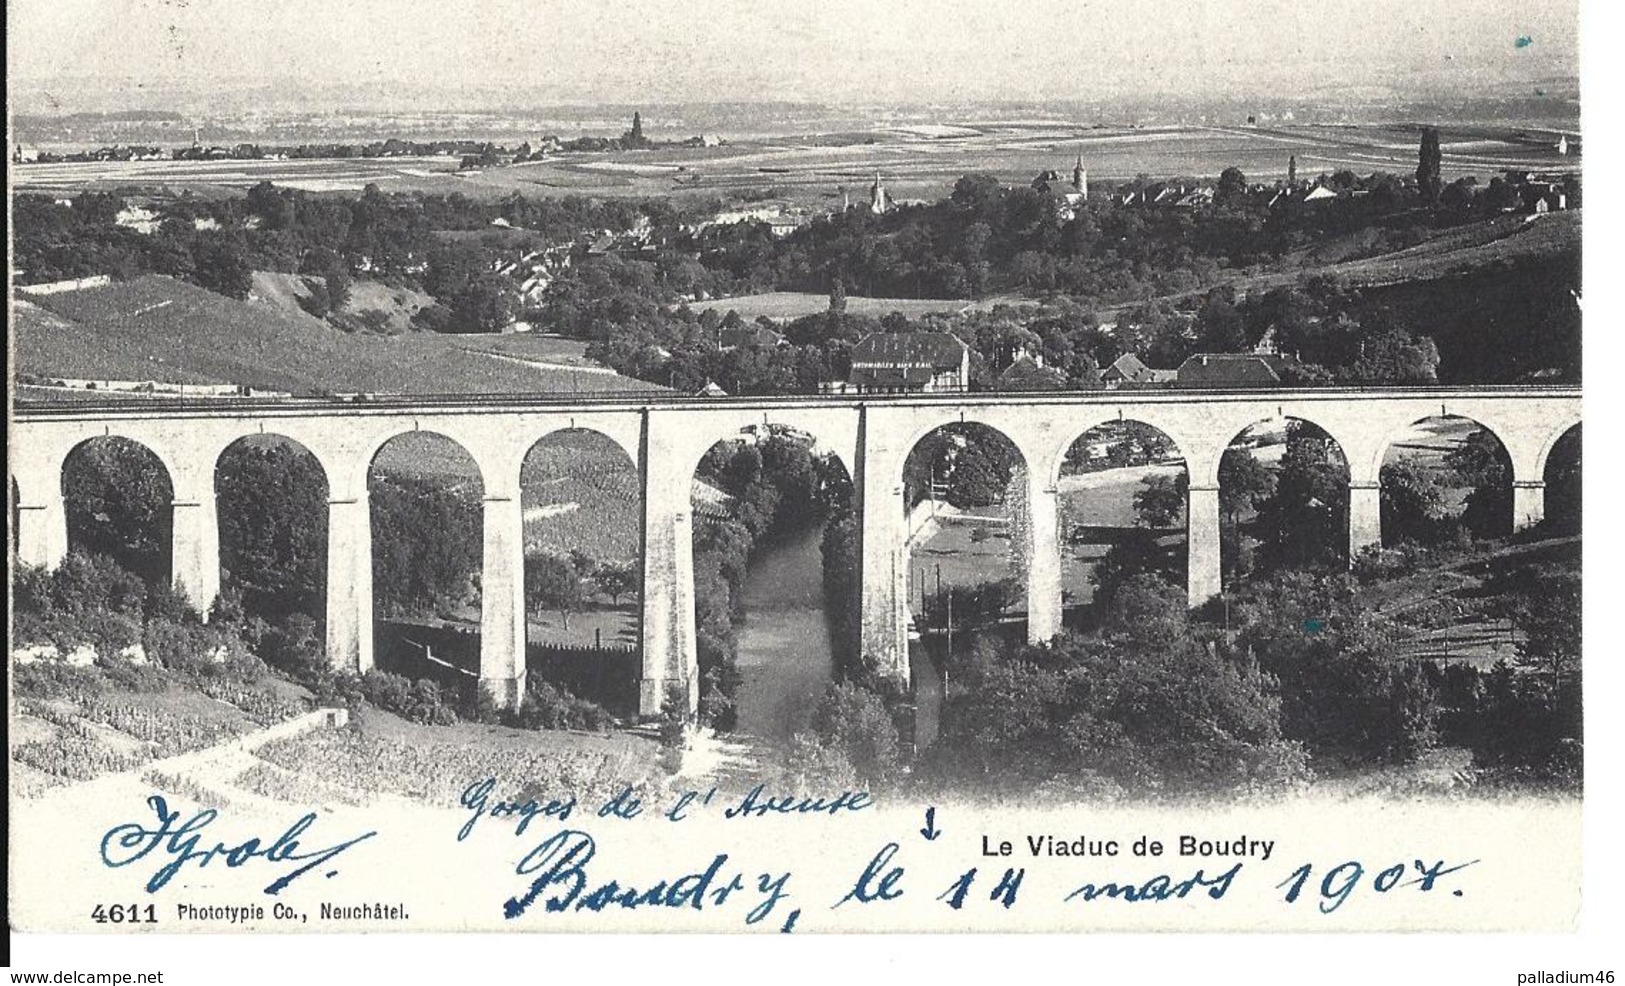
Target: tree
[[1137, 553], [1160, 500], [616, 579], [1549, 617], [1305, 521], [978, 478], [426, 541], [1480, 464], [1412, 502], [221, 266], [1243, 483], [552, 582], [1231, 188], [273, 528], [1428, 165], [1219, 327]]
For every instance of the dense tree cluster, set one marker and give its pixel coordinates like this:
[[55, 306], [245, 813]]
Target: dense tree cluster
[[218, 243], [426, 544]]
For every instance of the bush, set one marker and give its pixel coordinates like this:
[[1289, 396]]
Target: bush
[[852, 737], [56, 679], [295, 645], [1343, 694], [416, 701], [718, 708], [549, 707], [1147, 707], [811, 766]]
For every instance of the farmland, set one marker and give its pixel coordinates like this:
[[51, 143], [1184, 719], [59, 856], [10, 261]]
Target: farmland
[[812, 170]]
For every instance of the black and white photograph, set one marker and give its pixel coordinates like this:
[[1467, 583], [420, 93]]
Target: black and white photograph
[[717, 466]]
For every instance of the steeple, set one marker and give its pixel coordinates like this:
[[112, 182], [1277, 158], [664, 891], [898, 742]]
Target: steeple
[[1292, 170], [1080, 178], [877, 197]]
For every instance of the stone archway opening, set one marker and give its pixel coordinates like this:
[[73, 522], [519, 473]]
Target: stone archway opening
[[965, 489], [581, 501], [1283, 499], [1123, 490], [119, 502], [271, 498], [775, 566], [425, 495], [1563, 485], [1442, 478]]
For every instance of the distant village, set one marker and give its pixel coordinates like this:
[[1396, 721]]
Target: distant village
[[472, 154]]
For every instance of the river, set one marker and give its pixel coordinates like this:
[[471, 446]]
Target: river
[[784, 655]]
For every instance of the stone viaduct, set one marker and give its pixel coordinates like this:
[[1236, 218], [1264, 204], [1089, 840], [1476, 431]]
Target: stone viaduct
[[666, 438]]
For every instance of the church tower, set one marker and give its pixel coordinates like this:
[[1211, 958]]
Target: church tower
[[877, 197], [1080, 178]]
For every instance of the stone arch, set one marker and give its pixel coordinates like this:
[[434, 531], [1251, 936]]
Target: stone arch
[[1408, 424], [1556, 437], [827, 435], [1097, 518], [1181, 438], [1316, 518], [369, 460], [582, 564], [787, 601], [957, 555], [142, 503], [1499, 507], [1288, 413], [251, 529], [427, 595], [1560, 475], [1030, 457]]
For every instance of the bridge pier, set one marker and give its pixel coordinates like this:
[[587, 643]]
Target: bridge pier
[[349, 584], [1043, 550], [1365, 517], [195, 549], [502, 598], [1204, 577], [883, 577], [42, 532], [670, 645], [1528, 503]]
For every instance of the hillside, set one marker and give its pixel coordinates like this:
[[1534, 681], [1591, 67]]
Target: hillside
[[372, 305], [157, 328]]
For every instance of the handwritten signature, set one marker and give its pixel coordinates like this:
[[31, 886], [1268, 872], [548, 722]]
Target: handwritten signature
[[178, 844]]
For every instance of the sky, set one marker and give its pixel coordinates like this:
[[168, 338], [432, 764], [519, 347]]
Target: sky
[[829, 50]]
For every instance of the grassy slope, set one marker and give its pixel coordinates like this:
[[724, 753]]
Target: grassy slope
[[395, 305], [156, 328]]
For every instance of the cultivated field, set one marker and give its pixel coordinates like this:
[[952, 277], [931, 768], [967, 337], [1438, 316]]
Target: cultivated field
[[814, 169]]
